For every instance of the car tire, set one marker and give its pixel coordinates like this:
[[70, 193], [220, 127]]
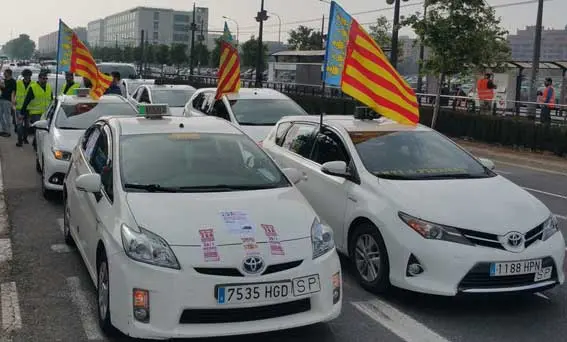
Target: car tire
[[365, 245], [103, 297], [66, 224], [47, 194]]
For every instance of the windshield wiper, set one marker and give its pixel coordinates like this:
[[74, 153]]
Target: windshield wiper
[[454, 176], [224, 187], [396, 177], [151, 187], [74, 128]]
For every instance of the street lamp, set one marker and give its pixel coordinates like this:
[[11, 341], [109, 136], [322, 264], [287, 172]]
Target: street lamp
[[280, 26], [395, 30], [261, 16], [237, 27]]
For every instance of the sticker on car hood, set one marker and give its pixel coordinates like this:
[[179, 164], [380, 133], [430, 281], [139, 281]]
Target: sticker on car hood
[[237, 222], [274, 239], [208, 245]]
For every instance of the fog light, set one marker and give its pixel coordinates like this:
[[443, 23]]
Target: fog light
[[141, 305], [414, 267], [336, 287]]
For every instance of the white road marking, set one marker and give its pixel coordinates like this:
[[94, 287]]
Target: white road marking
[[500, 172], [60, 224], [11, 318], [397, 322], [87, 309], [539, 294], [545, 193], [530, 168], [62, 248], [5, 250]]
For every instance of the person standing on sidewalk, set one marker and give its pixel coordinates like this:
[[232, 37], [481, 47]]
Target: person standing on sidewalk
[[485, 90], [22, 124], [7, 103], [37, 101], [548, 102]]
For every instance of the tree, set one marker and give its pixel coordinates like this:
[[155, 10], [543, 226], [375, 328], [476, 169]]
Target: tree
[[382, 34], [215, 54], [305, 38], [202, 55], [162, 54], [20, 48], [249, 52], [462, 36], [178, 54]]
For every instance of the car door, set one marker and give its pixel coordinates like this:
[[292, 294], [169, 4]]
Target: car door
[[41, 135]]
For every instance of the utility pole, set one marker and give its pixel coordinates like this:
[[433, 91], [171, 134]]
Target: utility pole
[[201, 39], [323, 32], [142, 52], [535, 62], [193, 29], [395, 29], [260, 18], [421, 54]]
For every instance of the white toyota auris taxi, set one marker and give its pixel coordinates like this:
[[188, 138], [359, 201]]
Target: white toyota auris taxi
[[188, 229]]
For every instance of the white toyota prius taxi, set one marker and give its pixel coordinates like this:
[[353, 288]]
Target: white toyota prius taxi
[[188, 229]]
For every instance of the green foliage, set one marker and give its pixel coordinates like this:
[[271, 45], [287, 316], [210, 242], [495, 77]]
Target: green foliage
[[20, 48], [202, 55], [381, 32], [162, 54], [215, 54], [178, 54], [305, 38], [249, 52]]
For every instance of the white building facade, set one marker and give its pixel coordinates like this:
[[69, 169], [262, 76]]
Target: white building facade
[[47, 44]]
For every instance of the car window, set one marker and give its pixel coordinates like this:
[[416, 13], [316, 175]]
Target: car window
[[99, 155], [106, 172], [198, 101], [82, 115], [125, 70], [281, 131], [414, 155], [89, 140], [220, 111], [197, 162], [208, 102], [172, 97], [48, 115], [144, 96], [329, 147], [300, 139], [264, 112], [135, 94]]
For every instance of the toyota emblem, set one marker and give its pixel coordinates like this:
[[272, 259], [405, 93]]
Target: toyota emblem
[[253, 265], [514, 241]]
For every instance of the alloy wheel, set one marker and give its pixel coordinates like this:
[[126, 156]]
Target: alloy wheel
[[367, 258], [103, 293]]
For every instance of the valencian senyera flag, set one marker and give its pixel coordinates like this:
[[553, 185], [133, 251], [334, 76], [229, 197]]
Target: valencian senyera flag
[[229, 69], [355, 63], [73, 56]]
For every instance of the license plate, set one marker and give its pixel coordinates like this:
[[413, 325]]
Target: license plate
[[266, 292], [499, 269], [543, 274]]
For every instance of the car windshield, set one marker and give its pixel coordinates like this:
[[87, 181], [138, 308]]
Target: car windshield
[[172, 97], [125, 70], [411, 155], [192, 162], [83, 115], [264, 112]]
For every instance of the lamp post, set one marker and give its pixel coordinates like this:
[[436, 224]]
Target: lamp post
[[395, 30], [421, 54], [260, 18], [237, 27], [280, 26], [535, 62]]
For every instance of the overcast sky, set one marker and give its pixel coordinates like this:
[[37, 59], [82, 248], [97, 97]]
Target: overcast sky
[[39, 17]]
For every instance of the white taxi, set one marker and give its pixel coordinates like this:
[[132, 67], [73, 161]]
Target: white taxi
[[188, 229], [62, 125]]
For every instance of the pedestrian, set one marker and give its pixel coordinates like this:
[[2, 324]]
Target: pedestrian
[[115, 85], [38, 99], [548, 102], [7, 103], [485, 89], [71, 86], [22, 122]]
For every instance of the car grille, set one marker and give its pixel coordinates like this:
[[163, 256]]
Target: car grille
[[479, 277], [234, 272], [492, 241], [235, 315]]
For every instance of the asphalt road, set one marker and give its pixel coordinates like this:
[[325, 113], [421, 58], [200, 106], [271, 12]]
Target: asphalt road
[[46, 294]]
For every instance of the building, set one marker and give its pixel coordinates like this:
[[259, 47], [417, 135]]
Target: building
[[553, 44], [160, 26], [47, 44]]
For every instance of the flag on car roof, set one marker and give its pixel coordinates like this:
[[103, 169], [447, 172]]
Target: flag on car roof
[[73, 56], [229, 69], [355, 63]]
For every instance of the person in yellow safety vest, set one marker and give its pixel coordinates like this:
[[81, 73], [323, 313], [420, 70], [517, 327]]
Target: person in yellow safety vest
[[485, 90], [22, 87], [548, 102], [70, 87], [37, 101]]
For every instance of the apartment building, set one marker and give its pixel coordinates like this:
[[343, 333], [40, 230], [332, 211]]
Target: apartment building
[[553, 44], [47, 44]]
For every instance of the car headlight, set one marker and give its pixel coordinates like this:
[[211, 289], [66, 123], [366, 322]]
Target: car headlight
[[321, 239], [61, 155], [550, 227], [434, 231], [145, 246]]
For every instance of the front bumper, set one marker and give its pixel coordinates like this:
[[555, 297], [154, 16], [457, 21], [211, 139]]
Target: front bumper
[[451, 268], [178, 297], [55, 171]]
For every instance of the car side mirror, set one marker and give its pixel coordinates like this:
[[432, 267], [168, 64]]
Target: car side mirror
[[294, 175], [489, 164], [90, 182], [41, 124], [335, 168]]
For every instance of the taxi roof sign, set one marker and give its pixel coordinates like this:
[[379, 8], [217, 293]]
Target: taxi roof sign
[[83, 92], [153, 110]]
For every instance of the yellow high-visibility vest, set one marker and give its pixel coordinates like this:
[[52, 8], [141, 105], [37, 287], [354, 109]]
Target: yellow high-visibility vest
[[41, 99], [71, 91], [21, 92]]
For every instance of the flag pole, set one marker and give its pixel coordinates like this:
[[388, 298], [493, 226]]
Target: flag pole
[[58, 59]]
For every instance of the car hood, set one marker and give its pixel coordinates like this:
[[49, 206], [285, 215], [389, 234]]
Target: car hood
[[66, 139], [177, 217], [493, 205], [257, 133]]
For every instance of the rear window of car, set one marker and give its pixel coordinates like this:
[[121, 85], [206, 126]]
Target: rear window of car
[[83, 115], [126, 71]]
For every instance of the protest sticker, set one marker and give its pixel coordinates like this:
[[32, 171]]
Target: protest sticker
[[237, 222], [273, 239], [250, 245], [210, 252]]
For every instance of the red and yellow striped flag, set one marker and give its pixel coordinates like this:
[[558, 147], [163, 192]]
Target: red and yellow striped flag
[[229, 69], [358, 65]]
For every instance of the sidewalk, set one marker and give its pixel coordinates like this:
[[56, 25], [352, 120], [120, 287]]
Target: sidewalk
[[540, 160]]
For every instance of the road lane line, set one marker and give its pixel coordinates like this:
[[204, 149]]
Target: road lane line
[[545, 193], [529, 167], [87, 309], [500, 172], [397, 322], [5, 250], [62, 248], [60, 224], [11, 318]]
